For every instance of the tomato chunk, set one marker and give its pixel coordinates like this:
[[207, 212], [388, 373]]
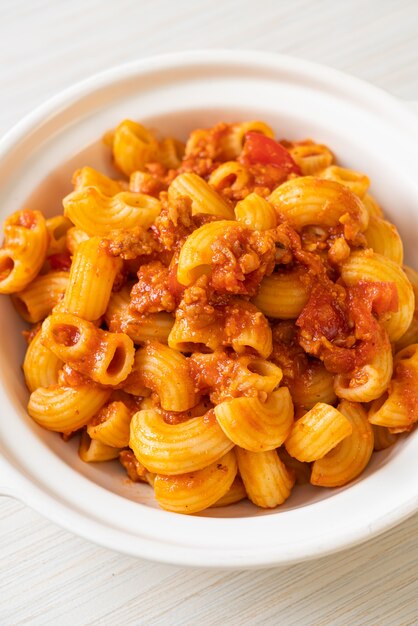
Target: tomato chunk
[[261, 149]]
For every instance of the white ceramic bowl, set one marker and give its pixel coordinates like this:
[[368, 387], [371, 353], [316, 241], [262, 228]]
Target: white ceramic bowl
[[369, 131]]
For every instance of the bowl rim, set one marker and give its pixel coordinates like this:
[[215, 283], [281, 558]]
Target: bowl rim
[[20, 486]]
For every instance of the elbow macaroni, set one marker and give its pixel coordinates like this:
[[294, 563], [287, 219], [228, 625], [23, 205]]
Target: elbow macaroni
[[66, 409], [193, 492], [282, 295], [97, 214], [94, 451], [310, 157], [24, 250], [204, 198], [140, 328], [254, 425], [255, 212], [383, 238], [133, 146], [180, 448], [268, 482], [369, 382], [41, 365], [92, 276], [310, 201], [111, 425], [39, 298], [349, 458], [196, 253], [106, 357], [165, 372]]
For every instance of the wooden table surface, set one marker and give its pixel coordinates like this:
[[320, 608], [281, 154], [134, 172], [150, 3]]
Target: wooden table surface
[[49, 576]]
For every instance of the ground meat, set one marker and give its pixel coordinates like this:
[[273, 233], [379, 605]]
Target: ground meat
[[262, 180], [174, 223], [206, 150], [200, 310], [213, 373], [241, 258], [153, 181], [223, 375], [222, 318], [151, 293], [246, 329], [142, 182], [195, 303], [129, 244], [292, 242]]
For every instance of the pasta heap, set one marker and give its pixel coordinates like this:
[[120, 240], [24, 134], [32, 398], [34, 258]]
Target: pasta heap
[[227, 317]]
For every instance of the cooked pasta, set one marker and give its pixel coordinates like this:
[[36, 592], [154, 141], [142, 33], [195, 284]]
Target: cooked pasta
[[39, 298], [193, 492], [92, 276], [57, 228], [93, 450], [97, 214], [119, 317], [177, 448], [203, 197], [24, 250], [383, 238], [165, 372], [111, 425], [349, 458], [282, 295], [317, 432], [310, 157], [107, 358], [66, 409], [268, 482], [41, 366], [356, 181], [235, 494], [228, 317], [311, 201], [255, 212], [133, 146], [254, 425]]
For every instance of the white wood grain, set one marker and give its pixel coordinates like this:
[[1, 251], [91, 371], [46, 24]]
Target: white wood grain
[[52, 577], [47, 575]]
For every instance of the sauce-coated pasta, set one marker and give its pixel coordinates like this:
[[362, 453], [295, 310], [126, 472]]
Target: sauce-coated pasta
[[220, 315]]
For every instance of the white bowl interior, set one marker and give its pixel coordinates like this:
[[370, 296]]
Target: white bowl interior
[[36, 173]]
